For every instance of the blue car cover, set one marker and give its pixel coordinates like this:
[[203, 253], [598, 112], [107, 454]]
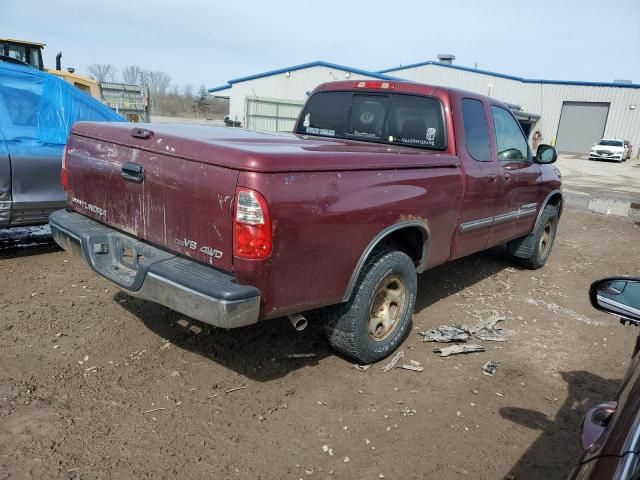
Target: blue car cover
[[37, 106]]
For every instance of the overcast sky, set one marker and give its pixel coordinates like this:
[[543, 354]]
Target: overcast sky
[[209, 41]]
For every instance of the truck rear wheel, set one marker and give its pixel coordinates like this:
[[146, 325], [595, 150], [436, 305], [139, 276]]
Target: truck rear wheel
[[533, 250], [373, 323]]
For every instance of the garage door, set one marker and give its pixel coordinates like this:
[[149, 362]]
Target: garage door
[[581, 125], [272, 114]]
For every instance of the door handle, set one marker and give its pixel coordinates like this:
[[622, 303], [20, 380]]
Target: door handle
[[133, 172], [493, 177], [506, 176]]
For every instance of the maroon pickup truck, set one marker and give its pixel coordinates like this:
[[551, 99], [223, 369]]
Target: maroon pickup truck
[[378, 182]]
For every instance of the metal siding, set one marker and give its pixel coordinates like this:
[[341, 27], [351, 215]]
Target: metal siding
[[279, 86], [544, 99]]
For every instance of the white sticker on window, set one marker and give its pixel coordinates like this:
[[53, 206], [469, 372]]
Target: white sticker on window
[[320, 131], [431, 134], [307, 120]]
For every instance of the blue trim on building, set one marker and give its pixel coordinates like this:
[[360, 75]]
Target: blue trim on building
[[511, 77], [302, 66]]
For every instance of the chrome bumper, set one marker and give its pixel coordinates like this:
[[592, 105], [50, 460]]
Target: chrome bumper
[[150, 273]]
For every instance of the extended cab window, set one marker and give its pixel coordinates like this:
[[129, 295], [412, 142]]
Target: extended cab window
[[512, 146], [476, 130], [385, 118]]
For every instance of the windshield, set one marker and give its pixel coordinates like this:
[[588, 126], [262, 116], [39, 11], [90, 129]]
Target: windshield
[[610, 143], [384, 118]]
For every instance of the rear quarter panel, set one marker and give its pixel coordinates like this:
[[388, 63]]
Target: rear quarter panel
[[323, 222]]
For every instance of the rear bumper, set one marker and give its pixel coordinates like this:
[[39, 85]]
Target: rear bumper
[[151, 273]]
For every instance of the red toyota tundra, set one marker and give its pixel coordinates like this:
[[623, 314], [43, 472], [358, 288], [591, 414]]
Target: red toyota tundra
[[379, 181]]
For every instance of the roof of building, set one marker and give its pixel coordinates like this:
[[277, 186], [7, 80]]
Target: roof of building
[[302, 66], [511, 77]]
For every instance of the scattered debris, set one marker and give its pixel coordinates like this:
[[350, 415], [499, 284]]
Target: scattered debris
[[457, 349], [91, 369], [235, 389], [500, 394], [362, 368], [325, 448], [137, 355], [490, 368], [226, 391], [484, 330], [301, 355], [446, 334], [396, 358], [408, 412], [413, 365], [155, 410], [346, 460]]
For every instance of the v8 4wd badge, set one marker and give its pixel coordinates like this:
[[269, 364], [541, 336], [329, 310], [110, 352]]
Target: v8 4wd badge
[[193, 245]]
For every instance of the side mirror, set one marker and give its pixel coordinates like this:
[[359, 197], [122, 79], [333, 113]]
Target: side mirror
[[618, 296], [546, 154]]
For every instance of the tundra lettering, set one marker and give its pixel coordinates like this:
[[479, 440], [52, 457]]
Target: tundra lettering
[[378, 181], [87, 206]]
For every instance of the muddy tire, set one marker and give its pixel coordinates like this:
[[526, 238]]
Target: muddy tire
[[376, 319], [533, 250]]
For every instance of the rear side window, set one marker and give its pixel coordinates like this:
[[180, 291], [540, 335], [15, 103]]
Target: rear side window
[[325, 114], [512, 146], [476, 130], [408, 120]]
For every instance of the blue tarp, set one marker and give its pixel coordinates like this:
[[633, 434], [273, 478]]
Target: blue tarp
[[35, 105]]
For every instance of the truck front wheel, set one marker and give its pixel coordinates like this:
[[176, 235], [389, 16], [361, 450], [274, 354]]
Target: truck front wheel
[[373, 323]]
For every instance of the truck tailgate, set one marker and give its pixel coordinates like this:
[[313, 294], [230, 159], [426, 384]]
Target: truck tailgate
[[181, 205]]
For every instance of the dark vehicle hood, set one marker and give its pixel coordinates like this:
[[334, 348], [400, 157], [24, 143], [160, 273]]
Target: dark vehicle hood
[[264, 152]]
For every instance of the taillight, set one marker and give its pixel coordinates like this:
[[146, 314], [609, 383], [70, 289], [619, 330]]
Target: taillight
[[251, 226], [64, 178], [375, 84]]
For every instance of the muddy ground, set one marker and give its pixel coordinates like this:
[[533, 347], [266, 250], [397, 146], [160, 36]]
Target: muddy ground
[[96, 384]]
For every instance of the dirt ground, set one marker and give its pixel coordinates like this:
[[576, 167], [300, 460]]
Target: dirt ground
[[96, 384]]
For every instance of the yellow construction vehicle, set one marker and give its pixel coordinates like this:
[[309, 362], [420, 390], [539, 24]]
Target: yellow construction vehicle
[[128, 100]]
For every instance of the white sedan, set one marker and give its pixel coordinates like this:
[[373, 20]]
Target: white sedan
[[609, 149]]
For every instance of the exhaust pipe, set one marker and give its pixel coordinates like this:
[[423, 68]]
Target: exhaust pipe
[[59, 61], [298, 321]]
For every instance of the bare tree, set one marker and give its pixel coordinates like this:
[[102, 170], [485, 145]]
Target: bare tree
[[102, 71], [132, 74], [158, 83], [187, 91]]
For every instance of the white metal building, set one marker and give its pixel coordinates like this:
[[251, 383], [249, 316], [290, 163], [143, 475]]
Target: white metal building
[[272, 100], [570, 114]]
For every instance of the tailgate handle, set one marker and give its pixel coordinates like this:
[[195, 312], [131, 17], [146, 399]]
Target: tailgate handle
[[141, 133], [133, 172]]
